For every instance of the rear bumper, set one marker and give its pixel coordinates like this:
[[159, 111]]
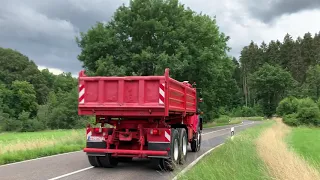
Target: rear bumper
[[143, 153]]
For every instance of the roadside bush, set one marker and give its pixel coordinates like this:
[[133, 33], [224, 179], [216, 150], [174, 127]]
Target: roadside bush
[[32, 125], [319, 103], [223, 119], [246, 111], [11, 124], [84, 121], [308, 112], [236, 112], [287, 106], [42, 115], [291, 119], [223, 111], [258, 110]]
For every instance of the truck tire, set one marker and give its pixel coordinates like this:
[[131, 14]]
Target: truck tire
[[94, 161], [171, 163], [108, 161], [196, 142], [183, 148]]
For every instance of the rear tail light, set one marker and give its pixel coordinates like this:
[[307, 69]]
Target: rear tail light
[[97, 130], [155, 132]]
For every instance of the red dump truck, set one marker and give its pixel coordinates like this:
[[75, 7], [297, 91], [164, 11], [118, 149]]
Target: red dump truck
[[152, 117]]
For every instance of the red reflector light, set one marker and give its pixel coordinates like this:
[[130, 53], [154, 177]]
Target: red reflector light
[[97, 130], [154, 131]]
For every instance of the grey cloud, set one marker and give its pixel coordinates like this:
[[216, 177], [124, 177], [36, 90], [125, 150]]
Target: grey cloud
[[267, 11], [45, 30], [81, 13]]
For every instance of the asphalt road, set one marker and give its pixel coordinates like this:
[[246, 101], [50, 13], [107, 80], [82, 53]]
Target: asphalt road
[[75, 166]]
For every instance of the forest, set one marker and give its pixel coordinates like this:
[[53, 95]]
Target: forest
[[146, 37], [32, 100], [283, 78]]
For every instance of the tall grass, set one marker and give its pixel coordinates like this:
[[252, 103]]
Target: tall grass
[[257, 118], [23, 146], [282, 163], [236, 159], [306, 142]]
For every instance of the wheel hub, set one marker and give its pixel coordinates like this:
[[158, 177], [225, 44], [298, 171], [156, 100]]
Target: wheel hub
[[184, 145], [175, 150]]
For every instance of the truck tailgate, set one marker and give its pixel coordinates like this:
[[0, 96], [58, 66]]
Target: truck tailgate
[[121, 96]]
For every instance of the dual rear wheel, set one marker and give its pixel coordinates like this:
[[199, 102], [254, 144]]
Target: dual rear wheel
[[106, 161], [177, 155], [178, 150]]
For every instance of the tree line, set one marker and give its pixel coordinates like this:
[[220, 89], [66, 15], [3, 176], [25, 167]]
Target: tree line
[[143, 39], [31, 99], [280, 70]]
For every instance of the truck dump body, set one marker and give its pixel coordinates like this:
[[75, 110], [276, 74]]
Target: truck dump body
[[135, 96], [150, 116]]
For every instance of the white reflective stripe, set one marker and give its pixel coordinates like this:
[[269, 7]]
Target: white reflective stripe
[[89, 134], [82, 101], [167, 136], [81, 92], [161, 92]]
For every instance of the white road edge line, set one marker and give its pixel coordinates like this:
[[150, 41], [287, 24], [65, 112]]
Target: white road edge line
[[195, 162], [74, 172], [227, 128], [39, 158]]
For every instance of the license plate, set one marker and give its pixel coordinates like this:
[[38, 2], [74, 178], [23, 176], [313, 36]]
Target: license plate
[[96, 139]]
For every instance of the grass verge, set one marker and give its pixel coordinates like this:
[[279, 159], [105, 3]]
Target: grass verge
[[255, 118], [16, 147], [215, 124], [282, 163], [236, 159], [305, 142]]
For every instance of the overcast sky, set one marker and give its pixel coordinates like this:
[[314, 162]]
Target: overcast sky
[[45, 30]]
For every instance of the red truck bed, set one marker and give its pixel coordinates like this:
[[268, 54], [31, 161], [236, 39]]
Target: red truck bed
[[135, 96]]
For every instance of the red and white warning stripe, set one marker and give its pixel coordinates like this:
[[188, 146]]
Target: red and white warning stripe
[[167, 135], [89, 133], [81, 93], [161, 93]]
